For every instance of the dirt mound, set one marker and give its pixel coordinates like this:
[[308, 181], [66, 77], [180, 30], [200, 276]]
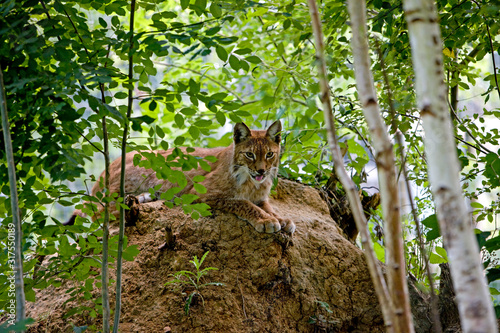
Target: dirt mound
[[313, 281]]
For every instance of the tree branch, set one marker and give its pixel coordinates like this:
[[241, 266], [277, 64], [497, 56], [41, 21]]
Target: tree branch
[[232, 92], [493, 59]]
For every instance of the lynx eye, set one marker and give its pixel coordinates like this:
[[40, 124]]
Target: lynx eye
[[269, 154], [250, 155]]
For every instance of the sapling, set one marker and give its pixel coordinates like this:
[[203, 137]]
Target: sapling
[[193, 279]]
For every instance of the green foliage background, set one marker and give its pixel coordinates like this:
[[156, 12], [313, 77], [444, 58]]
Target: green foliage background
[[200, 66]]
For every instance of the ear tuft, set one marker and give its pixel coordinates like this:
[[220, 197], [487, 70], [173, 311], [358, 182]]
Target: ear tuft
[[241, 133], [274, 132]]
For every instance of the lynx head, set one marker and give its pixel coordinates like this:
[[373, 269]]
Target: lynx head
[[256, 153]]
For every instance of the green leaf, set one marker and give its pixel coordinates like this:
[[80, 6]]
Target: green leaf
[[215, 9], [379, 251], [179, 120], [258, 12], [476, 204], [194, 87], [211, 159], [115, 21], [179, 141], [203, 123], [201, 4], [188, 111], [244, 65], [103, 23], [194, 132], [170, 193], [493, 274], [442, 252], [234, 62], [436, 259], [152, 105], [286, 24], [221, 53], [189, 198], [198, 178], [121, 95], [492, 169], [30, 295], [199, 188], [492, 244], [221, 118], [431, 222], [253, 59], [243, 51], [130, 252], [184, 4], [138, 121], [188, 302]]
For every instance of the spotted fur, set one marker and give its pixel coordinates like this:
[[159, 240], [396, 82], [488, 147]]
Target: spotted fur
[[239, 182]]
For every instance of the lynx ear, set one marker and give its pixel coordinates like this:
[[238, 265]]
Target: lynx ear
[[241, 133], [274, 132]]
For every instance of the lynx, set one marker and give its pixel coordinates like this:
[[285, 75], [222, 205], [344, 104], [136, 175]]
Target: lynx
[[238, 182]]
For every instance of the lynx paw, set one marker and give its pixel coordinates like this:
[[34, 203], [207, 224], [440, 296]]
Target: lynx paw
[[268, 225], [287, 225]]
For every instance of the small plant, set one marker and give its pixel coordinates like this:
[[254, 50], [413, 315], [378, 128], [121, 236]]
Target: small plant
[[193, 280], [324, 322]]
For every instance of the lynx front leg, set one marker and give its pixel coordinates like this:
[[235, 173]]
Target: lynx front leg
[[286, 224], [246, 210]]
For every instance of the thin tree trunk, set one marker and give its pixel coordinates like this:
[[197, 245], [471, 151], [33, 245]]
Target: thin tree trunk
[[436, 322], [122, 173], [384, 157], [16, 218], [347, 183], [473, 298], [105, 237]]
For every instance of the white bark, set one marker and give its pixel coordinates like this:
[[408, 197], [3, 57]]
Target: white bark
[[473, 298], [347, 183], [384, 157]]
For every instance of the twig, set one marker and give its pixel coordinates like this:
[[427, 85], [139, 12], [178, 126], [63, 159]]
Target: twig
[[242, 298], [493, 59], [90, 142], [203, 75], [48, 16], [74, 28]]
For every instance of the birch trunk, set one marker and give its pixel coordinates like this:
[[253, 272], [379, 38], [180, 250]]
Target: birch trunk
[[386, 168], [347, 183], [473, 298]]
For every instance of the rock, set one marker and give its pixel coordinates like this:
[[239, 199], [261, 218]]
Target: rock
[[312, 281]]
